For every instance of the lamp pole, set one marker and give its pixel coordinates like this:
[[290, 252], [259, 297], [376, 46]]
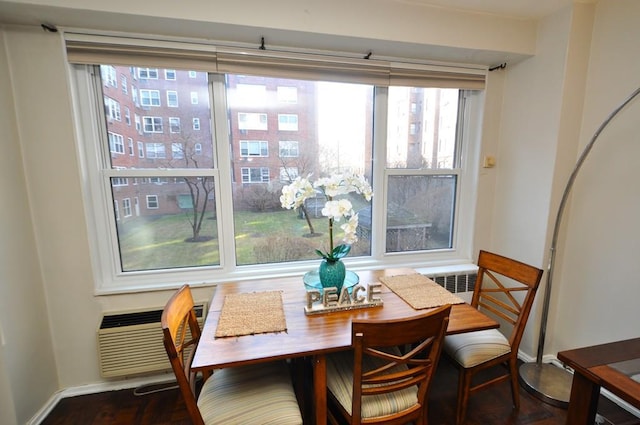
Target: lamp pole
[[550, 383]]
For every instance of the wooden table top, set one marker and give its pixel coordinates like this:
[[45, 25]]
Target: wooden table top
[[594, 364], [313, 334]]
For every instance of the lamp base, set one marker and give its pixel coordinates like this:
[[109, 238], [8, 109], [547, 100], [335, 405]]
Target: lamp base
[[547, 382]]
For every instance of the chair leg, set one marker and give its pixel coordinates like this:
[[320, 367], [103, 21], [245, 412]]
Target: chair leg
[[515, 386], [464, 386]]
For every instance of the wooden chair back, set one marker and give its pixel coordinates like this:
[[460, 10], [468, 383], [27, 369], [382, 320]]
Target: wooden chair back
[[499, 280], [181, 335], [422, 335]]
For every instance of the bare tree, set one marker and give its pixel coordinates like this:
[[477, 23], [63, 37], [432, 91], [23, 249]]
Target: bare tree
[[304, 165], [187, 153]]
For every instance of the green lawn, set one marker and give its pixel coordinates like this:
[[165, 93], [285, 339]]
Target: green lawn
[[160, 242], [269, 237], [156, 243]]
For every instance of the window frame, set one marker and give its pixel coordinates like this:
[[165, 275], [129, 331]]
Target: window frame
[[103, 239]]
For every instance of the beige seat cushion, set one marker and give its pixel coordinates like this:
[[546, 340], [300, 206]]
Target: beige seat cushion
[[340, 383], [472, 348], [258, 394]]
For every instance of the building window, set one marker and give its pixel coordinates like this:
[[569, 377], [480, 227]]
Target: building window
[[254, 148], [109, 76], [126, 207], [194, 97], [119, 181], [288, 149], [148, 73], [123, 84], [152, 202], [288, 174], [112, 108], [193, 74], [174, 125], [227, 176], [149, 97], [155, 150], [116, 143], [177, 151], [252, 121], [127, 115], [255, 175], [152, 124], [287, 122], [172, 98], [170, 74]]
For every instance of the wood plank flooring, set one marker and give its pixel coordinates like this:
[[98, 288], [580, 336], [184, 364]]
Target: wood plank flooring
[[489, 407]]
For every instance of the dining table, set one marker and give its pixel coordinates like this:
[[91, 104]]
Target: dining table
[[312, 336]]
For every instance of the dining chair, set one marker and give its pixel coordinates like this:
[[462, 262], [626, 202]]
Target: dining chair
[[385, 378], [499, 281], [257, 394]]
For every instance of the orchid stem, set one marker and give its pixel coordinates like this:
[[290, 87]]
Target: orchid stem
[[331, 236]]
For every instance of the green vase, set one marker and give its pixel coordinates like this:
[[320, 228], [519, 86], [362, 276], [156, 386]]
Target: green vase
[[332, 273]]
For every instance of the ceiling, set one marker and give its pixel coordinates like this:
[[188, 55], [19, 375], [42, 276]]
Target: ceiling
[[525, 9], [27, 13]]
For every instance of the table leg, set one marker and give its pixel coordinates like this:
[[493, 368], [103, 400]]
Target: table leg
[[320, 388], [583, 402]]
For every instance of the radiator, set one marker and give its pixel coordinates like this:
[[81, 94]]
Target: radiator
[[130, 343], [456, 282]]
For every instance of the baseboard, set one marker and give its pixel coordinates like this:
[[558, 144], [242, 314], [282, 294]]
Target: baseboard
[[41, 415]]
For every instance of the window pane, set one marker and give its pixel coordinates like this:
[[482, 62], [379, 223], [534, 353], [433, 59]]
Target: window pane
[[328, 130], [420, 212], [159, 228], [422, 128], [156, 128]]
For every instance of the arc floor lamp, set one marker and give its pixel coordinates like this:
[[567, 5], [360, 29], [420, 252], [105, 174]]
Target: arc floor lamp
[[550, 383]]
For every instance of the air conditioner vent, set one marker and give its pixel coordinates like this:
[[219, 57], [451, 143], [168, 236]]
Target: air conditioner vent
[[129, 319]]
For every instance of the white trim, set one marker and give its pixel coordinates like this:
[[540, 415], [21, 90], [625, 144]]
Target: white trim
[[100, 387]]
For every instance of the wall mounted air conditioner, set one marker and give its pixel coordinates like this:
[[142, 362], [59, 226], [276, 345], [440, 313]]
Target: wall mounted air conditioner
[[130, 343]]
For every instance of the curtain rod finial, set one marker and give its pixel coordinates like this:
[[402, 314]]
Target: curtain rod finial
[[49, 27], [501, 66]]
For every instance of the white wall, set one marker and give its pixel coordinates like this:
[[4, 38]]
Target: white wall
[[28, 373], [538, 138], [597, 280]]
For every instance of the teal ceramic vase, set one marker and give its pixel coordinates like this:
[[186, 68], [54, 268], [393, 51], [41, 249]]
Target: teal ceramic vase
[[332, 274]]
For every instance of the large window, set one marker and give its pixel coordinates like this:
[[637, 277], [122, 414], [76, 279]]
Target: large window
[[210, 193]]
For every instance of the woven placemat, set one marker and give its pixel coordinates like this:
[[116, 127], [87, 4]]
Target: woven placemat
[[419, 291], [251, 313]]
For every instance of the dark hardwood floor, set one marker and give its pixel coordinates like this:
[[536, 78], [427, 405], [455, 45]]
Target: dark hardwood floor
[[489, 407]]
